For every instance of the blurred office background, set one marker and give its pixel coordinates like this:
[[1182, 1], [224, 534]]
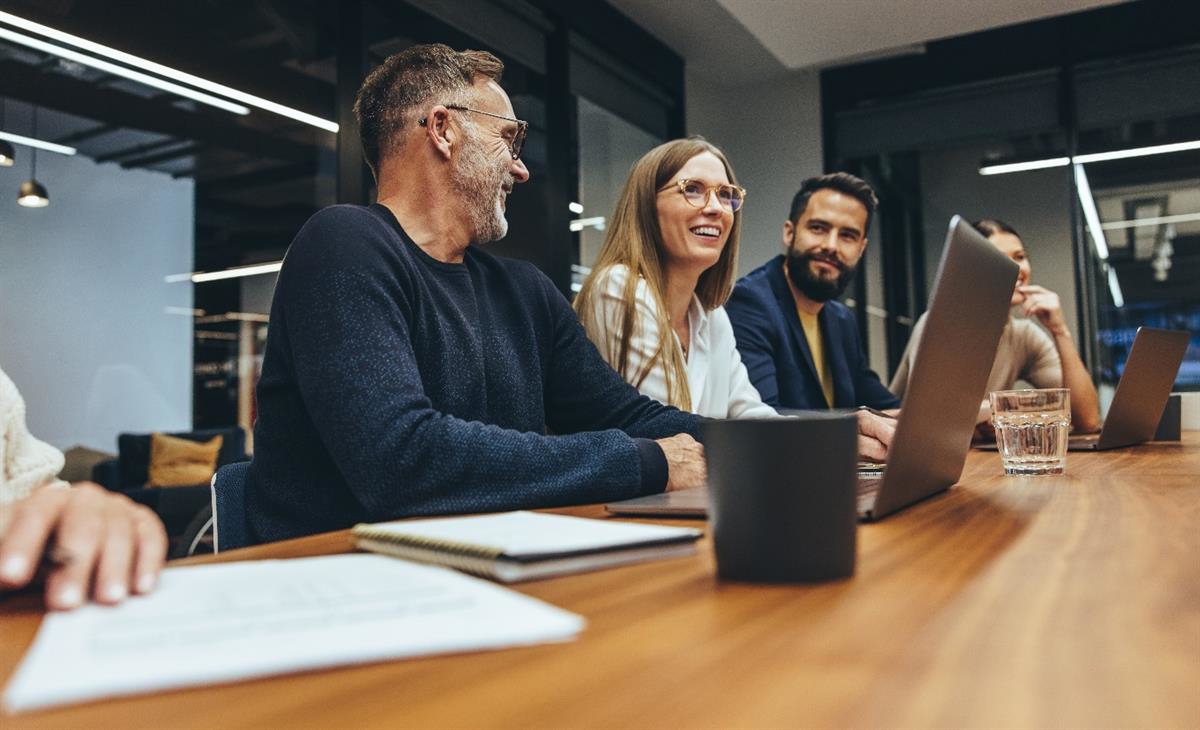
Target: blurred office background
[[137, 300]]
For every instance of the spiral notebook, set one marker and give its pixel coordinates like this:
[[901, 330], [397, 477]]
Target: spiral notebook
[[517, 546]]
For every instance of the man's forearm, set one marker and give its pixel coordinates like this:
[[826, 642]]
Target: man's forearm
[[446, 464]]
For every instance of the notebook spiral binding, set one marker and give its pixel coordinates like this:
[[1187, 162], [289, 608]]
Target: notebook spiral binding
[[475, 559]]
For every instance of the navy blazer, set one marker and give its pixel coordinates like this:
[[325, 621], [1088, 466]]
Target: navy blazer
[[776, 354]]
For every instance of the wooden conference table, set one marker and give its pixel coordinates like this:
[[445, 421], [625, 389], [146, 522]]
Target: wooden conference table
[[1067, 601]]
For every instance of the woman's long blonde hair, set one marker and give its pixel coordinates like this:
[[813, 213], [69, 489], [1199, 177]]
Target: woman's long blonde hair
[[635, 240]]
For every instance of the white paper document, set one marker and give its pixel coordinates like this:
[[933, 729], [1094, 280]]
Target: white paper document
[[218, 623]]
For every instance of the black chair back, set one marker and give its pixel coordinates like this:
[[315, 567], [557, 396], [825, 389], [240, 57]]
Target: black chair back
[[230, 528]]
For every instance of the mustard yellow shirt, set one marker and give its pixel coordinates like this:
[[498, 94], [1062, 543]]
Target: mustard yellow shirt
[[812, 333]]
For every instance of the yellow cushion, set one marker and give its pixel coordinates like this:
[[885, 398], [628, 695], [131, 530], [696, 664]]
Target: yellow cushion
[[176, 462]]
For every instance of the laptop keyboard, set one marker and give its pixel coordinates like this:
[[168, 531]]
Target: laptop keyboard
[[868, 487], [869, 484]]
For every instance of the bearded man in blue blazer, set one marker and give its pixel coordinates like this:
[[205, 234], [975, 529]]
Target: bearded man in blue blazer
[[800, 345]]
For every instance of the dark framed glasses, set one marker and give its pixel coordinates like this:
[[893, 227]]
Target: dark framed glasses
[[518, 140], [731, 197]]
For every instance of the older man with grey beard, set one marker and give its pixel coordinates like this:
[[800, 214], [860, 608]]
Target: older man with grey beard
[[409, 372]]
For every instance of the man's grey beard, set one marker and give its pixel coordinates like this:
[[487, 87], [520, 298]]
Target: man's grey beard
[[480, 181]]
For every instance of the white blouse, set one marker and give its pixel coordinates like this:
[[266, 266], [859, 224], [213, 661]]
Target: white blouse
[[25, 462], [717, 379]]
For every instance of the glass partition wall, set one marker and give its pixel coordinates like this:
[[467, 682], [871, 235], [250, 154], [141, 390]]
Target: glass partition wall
[[923, 155], [1095, 162], [1139, 149], [180, 211], [613, 146]]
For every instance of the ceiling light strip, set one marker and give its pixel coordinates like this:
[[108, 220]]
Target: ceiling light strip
[[61, 149], [1090, 214], [1024, 166], [1114, 288], [112, 68], [579, 224], [171, 73], [199, 277], [1158, 149], [1156, 221]]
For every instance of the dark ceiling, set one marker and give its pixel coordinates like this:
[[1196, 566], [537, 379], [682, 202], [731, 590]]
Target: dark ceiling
[[257, 176]]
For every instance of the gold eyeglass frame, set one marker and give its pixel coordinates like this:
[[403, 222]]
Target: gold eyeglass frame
[[683, 182]]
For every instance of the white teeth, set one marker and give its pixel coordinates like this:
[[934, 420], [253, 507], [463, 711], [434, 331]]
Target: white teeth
[[706, 231]]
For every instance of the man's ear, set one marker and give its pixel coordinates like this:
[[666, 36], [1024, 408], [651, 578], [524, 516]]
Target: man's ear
[[438, 131], [789, 231]]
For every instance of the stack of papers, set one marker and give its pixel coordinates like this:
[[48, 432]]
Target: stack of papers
[[218, 623]]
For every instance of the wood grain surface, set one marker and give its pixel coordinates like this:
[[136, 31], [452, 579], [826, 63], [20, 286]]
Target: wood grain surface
[[1069, 601]]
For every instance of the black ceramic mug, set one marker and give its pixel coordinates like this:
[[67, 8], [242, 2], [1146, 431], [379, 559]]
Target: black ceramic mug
[[782, 496]]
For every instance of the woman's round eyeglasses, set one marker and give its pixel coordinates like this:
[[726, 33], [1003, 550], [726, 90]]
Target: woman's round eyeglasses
[[696, 194]]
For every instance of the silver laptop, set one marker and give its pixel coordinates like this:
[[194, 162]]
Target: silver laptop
[[1142, 392], [967, 313]]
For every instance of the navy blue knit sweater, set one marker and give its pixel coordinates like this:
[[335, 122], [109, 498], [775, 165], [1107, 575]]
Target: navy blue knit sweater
[[396, 385]]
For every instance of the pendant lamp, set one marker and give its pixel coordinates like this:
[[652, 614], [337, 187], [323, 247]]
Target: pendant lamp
[[7, 154], [32, 193]]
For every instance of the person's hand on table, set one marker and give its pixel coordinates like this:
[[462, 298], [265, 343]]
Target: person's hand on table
[[875, 433], [686, 467], [985, 432], [97, 543]]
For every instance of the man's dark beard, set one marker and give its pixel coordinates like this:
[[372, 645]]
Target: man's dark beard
[[811, 285]]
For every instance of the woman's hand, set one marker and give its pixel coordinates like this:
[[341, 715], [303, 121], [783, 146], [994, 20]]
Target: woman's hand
[[984, 431], [1045, 305], [94, 542], [1085, 403]]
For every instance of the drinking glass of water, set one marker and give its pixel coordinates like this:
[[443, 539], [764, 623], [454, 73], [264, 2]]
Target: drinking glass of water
[[1031, 429]]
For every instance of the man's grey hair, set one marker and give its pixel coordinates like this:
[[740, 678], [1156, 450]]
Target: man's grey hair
[[393, 94]]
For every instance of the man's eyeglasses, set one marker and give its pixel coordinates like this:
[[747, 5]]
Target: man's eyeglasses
[[696, 194], [518, 140]]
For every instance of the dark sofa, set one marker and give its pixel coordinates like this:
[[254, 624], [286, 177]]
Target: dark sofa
[[176, 506]]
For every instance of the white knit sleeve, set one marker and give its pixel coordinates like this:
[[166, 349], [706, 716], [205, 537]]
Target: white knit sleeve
[[27, 463]]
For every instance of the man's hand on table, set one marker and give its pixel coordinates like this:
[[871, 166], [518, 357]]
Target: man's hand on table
[[686, 468], [875, 434]]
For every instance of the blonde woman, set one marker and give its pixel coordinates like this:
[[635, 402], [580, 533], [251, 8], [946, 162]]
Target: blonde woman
[[652, 304]]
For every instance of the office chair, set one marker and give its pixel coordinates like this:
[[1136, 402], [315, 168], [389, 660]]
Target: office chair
[[224, 517], [230, 529]]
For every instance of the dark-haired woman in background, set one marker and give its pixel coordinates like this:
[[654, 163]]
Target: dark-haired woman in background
[[1026, 352]]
